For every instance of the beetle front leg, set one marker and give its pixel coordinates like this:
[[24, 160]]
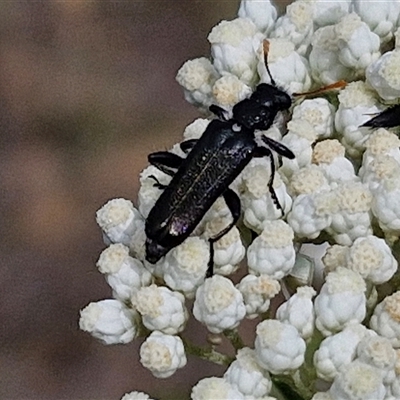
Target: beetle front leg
[[220, 112], [165, 161], [279, 148], [233, 203]]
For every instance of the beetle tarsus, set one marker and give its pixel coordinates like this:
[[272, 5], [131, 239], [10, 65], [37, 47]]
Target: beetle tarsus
[[157, 183]]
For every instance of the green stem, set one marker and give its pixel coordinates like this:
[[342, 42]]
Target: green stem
[[209, 354], [282, 388], [306, 375], [234, 337]]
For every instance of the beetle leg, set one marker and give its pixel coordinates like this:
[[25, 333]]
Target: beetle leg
[[266, 152], [165, 161], [385, 119], [278, 147], [188, 145], [158, 184], [233, 203], [221, 113]]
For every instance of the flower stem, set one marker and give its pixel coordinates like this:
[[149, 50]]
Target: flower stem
[[282, 388], [234, 337], [209, 353]]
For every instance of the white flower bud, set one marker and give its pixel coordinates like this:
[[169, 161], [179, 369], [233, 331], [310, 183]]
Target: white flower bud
[[383, 75], [299, 140], [195, 129], [256, 198], [247, 376], [381, 142], [372, 258], [378, 352], [386, 205], [123, 273], [257, 292], [329, 155], [228, 250], [162, 354], [377, 169], [312, 213], [353, 217], [334, 257], [299, 311], [288, 68], [340, 301], [381, 16], [197, 78], [386, 319], [308, 180], [394, 388], [149, 192], [272, 252], [325, 65], [109, 321], [118, 220], [319, 113], [339, 350], [233, 47], [261, 12], [161, 309], [296, 25], [358, 46], [357, 102], [229, 90], [358, 381], [185, 266], [279, 347], [215, 388], [218, 304], [136, 396], [329, 12]]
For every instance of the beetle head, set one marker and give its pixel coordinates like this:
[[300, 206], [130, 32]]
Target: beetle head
[[154, 251], [271, 96], [253, 115]]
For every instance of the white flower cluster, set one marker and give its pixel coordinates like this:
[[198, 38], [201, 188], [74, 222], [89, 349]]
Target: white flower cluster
[[337, 337]]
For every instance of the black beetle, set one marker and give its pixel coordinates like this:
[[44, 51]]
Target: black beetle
[[214, 161], [388, 118]]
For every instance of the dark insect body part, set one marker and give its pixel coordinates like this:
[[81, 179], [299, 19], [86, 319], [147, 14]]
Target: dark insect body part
[[212, 164], [388, 118]]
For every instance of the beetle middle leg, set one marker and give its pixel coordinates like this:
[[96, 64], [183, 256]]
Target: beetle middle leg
[[233, 203], [165, 161], [266, 152], [169, 162]]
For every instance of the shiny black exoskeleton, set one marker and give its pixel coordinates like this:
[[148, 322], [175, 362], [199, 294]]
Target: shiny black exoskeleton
[[214, 161], [388, 118]]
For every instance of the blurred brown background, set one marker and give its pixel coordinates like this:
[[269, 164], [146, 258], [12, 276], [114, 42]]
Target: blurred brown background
[[87, 91]]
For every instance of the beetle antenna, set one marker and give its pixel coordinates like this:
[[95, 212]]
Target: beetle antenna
[[337, 85], [266, 51]]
